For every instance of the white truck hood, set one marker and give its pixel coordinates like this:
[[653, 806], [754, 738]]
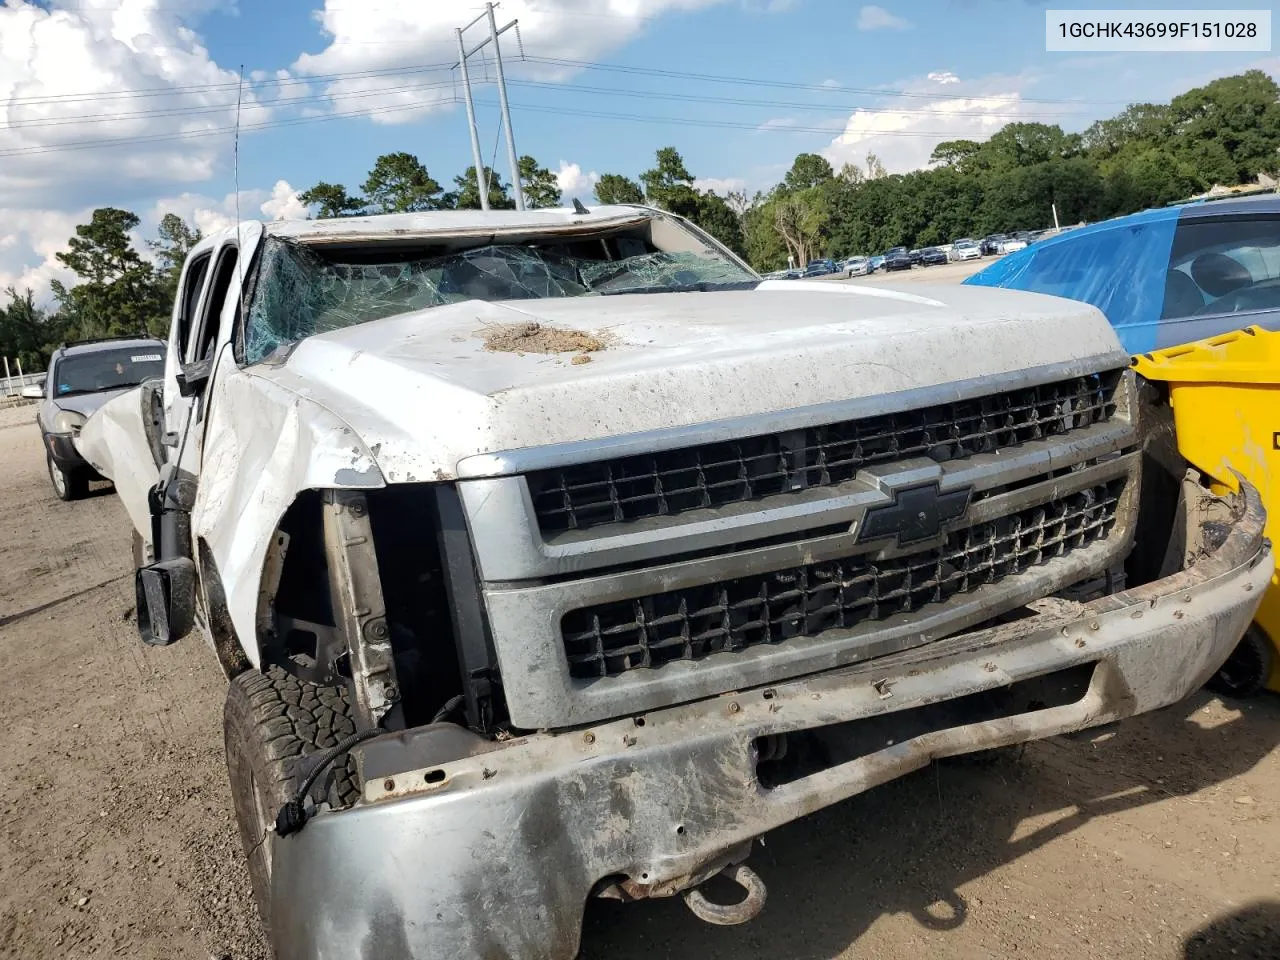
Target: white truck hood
[[423, 392]]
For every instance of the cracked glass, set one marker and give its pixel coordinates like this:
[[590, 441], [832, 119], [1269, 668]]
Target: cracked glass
[[300, 294]]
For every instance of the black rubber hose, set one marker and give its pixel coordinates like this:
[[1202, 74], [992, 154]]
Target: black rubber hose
[[293, 816], [450, 705]]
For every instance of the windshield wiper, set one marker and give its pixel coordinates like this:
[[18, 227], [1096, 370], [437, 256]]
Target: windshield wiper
[[704, 286]]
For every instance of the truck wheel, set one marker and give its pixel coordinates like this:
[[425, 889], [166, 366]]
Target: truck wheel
[[1248, 668], [68, 486], [272, 722]]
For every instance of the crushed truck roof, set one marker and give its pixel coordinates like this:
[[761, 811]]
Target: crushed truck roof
[[446, 222]]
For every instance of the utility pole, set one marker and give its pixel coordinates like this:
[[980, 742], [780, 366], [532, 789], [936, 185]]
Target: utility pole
[[481, 186], [463, 54], [506, 111]]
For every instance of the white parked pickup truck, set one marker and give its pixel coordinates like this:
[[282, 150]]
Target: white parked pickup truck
[[556, 555]]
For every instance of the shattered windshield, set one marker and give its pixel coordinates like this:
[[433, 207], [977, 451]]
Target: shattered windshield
[[300, 293]]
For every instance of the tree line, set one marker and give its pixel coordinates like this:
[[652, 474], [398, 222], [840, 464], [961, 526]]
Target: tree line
[[1225, 132]]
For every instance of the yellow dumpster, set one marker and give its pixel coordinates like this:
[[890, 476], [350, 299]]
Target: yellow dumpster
[[1225, 394]]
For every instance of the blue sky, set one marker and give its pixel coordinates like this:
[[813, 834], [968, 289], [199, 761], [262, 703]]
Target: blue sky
[[839, 78]]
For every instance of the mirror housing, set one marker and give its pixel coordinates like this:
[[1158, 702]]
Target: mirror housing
[[33, 392], [165, 593], [194, 377]]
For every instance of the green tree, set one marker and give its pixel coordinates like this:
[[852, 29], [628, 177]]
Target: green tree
[[615, 188], [467, 195], [801, 220], [1147, 123], [174, 242], [715, 216], [808, 170], [120, 292], [333, 201], [27, 333], [1240, 114], [955, 153], [765, 249], [669, 184], [539, 184], [399, 183]]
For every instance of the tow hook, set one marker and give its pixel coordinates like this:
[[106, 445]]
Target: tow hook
[[727, 915]]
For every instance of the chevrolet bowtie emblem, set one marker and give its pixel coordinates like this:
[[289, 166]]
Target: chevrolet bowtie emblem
[[917, 513]]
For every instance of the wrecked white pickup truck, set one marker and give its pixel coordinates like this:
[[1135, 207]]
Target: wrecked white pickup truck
[[555, 555]]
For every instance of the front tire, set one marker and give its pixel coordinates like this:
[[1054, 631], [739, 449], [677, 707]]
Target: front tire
[[68, 485], [272, 722], [1248, 669]]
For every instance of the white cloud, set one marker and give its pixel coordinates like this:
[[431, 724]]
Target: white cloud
[[32, 238], [210, 215], [384, 36], [871, 17], [943, 77], [831, 84], [573, 182], [903, 135], [720, 185], [61, 71], [283, 204], [28, 247]]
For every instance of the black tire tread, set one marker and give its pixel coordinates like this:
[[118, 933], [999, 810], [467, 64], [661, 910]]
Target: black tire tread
[[293, 720], [272, 724]]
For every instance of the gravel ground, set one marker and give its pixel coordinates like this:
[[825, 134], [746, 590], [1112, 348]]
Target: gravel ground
[[1159, 841]]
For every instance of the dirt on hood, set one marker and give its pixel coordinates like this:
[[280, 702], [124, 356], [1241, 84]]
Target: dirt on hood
[[536, 338]]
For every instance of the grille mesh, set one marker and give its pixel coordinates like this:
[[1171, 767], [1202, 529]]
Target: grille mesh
[[689, 624], [716, 474]]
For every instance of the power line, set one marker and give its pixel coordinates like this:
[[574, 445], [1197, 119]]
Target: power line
[[789, 84], [725, 124], [95, 118], [125, 141], [182, 89], [376, 92], [789, 104], [546, 61], [106, 143]]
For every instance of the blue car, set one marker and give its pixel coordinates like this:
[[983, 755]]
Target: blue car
[[1163, 277]]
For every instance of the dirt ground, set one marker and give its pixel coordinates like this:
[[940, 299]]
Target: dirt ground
[[116, 840]]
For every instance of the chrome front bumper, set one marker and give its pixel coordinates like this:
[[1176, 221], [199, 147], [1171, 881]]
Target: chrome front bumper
[[495, 855]]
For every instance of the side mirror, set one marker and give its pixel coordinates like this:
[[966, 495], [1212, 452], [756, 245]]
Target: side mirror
[[194, 377], [165, 594], [33, 392]]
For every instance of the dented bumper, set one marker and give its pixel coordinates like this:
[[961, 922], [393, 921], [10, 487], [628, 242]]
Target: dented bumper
[[495, 854]]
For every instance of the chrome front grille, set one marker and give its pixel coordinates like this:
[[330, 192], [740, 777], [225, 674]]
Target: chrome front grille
[[611, 639], [834, 536], [711, 475]]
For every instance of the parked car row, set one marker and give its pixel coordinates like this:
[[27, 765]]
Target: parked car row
[[902, 258]]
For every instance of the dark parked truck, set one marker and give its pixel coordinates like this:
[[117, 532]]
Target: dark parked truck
[[555, 555]]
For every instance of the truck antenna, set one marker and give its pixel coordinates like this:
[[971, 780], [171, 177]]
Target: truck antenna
[[236, 164]]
